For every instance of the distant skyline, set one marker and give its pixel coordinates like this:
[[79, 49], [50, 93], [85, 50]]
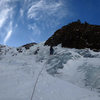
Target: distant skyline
[[26, 21]]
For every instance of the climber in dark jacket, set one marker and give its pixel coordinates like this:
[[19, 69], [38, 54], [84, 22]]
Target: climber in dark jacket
[[51, 50], [36, 52]]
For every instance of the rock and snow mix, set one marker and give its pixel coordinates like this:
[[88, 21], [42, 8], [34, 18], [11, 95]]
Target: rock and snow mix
[[68, 74]]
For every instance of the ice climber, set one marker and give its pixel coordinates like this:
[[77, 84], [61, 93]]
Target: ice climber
[[51, 50]]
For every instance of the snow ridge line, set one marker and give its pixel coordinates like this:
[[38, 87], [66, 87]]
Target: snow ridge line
[[34, 88]]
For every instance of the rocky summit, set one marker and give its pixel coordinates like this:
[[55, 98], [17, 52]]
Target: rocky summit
[[77, 35], [26, 46]]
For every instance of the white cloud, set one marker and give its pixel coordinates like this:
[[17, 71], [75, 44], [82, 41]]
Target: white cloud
[[35, 29], [42, 7], [4, 14], [31, 39], [5, 11], [16, 25], [9, 33], [48, 13], [21, 12]]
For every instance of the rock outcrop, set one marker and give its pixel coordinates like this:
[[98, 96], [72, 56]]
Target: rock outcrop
[[26, 46], [77, 35]]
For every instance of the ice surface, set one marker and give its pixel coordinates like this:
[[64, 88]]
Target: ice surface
[[69, 74]]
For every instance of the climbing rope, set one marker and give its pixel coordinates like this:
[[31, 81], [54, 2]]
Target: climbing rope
[[34, 88]]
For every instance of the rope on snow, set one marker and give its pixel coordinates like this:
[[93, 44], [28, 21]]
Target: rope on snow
[[34, 88]]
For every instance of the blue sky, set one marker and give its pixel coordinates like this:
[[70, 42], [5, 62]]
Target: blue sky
[[26, 21]]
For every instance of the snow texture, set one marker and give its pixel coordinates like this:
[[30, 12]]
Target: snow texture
[[68, 74]]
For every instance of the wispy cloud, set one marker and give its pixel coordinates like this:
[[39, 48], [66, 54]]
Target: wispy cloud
[[9, 33], [39, 16], [21, 12], [46, 14], [4, 14], [31, 39], [35, 29], [42, 7]]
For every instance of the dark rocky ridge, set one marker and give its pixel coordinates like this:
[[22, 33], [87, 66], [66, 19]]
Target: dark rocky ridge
[[77, 35], [26, 46]]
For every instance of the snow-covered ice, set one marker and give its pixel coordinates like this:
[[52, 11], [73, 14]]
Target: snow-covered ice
[[69, 74]]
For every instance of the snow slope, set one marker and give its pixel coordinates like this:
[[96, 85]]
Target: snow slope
[[69, 74]]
